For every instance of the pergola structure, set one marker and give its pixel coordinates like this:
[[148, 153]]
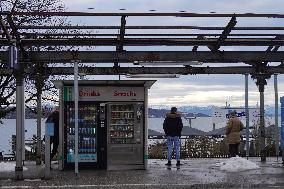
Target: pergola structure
[[119, 61]]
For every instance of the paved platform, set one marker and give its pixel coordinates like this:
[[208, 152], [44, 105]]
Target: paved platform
[[195, 173]]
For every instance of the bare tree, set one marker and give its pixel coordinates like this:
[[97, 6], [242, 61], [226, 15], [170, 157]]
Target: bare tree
[[37, 82]]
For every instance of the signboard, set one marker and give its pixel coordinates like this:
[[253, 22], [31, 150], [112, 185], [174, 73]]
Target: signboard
[[220, 115], [13, 57], [49, 131], [107, 93], [82, 158], [282, 122]]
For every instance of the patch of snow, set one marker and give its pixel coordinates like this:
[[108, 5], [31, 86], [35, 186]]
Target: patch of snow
[[236, 164], [33, 180], [8, 166]]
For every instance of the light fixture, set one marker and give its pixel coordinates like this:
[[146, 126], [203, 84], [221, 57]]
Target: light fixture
[[82, 76], [166, 63], [152, 75]]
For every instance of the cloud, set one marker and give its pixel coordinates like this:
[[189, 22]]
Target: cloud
[[210, 90]]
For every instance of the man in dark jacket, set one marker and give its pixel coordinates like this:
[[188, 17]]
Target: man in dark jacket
[[54, 118], [173, 127]]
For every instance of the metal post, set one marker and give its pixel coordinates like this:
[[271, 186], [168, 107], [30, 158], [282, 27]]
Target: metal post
[[276, 117], [282, 127], [262, 128], [19, 128], [38, 117], [247, 115], [47, 155], [146, 128], [20, 117], [261, 81], [23, 123], [76, 115], [61, 128]]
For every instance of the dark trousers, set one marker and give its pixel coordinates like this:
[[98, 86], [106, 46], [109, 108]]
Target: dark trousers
[[54, 148], [234, 149]]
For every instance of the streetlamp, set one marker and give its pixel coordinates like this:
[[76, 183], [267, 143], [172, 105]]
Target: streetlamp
[[190, 118]]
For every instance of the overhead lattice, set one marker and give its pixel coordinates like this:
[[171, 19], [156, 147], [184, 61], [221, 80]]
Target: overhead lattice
[[40, 44]]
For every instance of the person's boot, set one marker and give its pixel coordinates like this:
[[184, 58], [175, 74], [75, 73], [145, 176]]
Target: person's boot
[[169, 163], [178, 163]]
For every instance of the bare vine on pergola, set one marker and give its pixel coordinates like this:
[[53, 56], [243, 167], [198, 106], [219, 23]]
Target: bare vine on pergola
[[38, 76]]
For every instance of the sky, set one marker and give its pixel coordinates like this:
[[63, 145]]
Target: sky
[[192, 90]]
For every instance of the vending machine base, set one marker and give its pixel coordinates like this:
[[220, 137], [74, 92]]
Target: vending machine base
[[126, 167]]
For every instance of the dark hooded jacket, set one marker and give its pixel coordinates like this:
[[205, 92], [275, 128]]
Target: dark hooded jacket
[[54, 118], [173, 124]]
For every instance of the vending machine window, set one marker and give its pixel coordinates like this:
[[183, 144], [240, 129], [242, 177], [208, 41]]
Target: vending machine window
[[87, 126], [122, 124]]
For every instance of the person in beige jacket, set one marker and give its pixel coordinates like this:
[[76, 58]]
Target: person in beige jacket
[[234, 126]]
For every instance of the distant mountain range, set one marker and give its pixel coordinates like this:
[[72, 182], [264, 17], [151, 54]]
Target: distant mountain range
[[200, 111], [162, 112]]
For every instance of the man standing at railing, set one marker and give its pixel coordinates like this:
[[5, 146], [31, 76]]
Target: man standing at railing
[[173, 127]]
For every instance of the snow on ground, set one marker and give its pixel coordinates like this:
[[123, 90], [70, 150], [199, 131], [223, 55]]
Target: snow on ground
[[8, 166], [236, 164]]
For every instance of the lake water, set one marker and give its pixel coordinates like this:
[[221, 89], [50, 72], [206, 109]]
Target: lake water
[[8, 128]]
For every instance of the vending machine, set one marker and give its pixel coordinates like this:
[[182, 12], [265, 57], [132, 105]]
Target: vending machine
[[125, 135], [88, 125], [111, 124]]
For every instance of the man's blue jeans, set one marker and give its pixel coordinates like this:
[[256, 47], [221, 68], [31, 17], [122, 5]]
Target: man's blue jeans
[[170, 142]]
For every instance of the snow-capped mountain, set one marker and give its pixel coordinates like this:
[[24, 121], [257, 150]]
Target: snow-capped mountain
[[269, 110]]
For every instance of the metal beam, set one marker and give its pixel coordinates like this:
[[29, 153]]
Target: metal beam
[[275, 48], [28, 34], [120, 38], [146, 42], [140, 14], [152, 70], [121, 34], [131, 56], [200, 37], [226, 32], [31, 27]]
